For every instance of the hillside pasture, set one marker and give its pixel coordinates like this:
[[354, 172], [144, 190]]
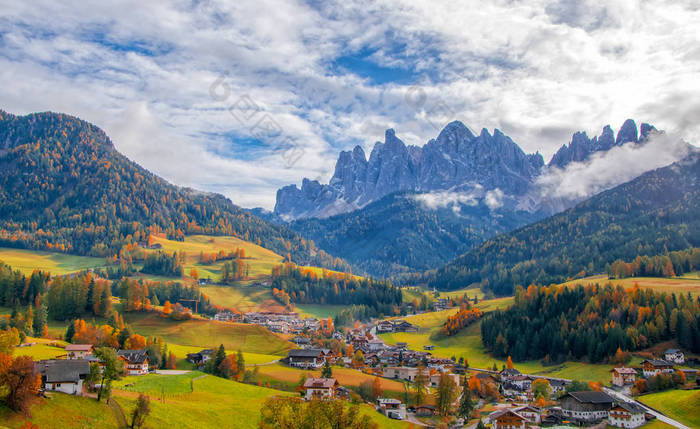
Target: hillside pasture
[[56, 263], [681, 405], [261, 260], [678, 285], [215, 402], [62, 411], [200, 333]]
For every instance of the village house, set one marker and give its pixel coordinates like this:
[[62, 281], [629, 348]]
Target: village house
[[402, 372], [400, 325], [522, 382], [557, 386], [586, 406], [626, 415], [306, 358], [675, 356], [623, 376], [375, 344], [320, 388], [652, 367], [392, 408], [508, 374], [385, 326], [441, 304], [201, 357], [135, 361], [429, 347], [228, 316], [64, 376], [531, 413], [507, 419], [78, 351], [425, 410]]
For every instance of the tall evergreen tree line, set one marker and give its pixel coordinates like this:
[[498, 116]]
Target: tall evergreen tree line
[[590, 322]]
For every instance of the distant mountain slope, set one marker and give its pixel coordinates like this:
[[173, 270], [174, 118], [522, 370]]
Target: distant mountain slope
[[654, 213], [399, 233], [64, 186]]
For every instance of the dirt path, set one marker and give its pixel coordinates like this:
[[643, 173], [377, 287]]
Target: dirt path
[[118, 413]]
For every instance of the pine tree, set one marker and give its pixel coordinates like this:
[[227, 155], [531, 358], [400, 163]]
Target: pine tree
[[465, 404], [240, 365], [40, 319], [327, 372]]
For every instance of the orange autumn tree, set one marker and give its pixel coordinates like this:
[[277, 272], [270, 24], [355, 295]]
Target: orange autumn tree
[[167, 308], [509, 363], [135, 342], [474, 384], [19, 382]]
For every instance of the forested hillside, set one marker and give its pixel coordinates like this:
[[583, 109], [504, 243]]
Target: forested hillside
[[592, 322], [655, 213], [399, 234], [63, 186]]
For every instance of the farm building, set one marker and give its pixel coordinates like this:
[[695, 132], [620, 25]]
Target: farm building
[[675, 356], [623, 376], [320, 388], [652, 367], [63, 375], [392, 408], [78, 351], [507, 419], [306, 358], [135, 361], [587, 406]]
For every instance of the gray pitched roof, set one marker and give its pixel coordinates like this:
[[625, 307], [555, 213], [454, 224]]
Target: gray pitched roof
[[591, 397], [304, 353], [631, 407], [63, 370], [133, 356]]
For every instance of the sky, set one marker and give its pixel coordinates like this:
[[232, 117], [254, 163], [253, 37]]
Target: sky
[[243, 97]]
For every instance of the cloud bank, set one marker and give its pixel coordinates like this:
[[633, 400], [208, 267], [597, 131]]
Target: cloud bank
[[606, 170]]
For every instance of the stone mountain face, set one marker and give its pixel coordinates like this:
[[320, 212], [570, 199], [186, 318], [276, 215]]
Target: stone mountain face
[[581, 147], [456, 160]]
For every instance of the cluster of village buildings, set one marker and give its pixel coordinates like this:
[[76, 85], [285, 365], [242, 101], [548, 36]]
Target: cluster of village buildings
[[399, 362], [284, 323]]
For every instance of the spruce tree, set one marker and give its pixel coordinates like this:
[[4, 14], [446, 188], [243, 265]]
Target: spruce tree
[[327, 372]]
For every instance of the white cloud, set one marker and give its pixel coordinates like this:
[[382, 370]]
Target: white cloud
[[609, 169], [444, 199], [537, 70], [494, 199]]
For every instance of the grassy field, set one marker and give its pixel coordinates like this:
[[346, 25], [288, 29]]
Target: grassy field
[[215, 402], [260, 259], [201, 334], [242, 298], [53, 262], [687, 283], [181, 351], [468, 344], [681, 405], [44, 349], [63, 411], [318, 311]]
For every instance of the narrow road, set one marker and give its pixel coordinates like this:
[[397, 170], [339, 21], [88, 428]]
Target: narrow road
[[621, 397]]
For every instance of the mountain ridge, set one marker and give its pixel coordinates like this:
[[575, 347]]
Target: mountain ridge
[[456, 160], [64, 186]]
